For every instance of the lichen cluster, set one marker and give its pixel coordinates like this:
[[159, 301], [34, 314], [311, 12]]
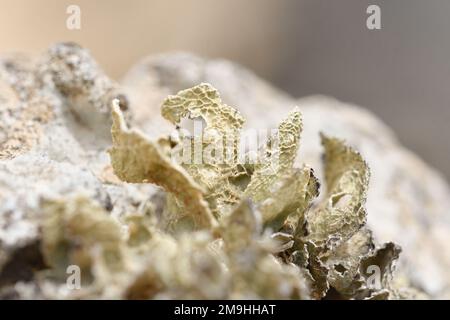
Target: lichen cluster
[[226, 230]]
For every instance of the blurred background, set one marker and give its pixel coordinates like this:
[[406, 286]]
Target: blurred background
[[401, 72]]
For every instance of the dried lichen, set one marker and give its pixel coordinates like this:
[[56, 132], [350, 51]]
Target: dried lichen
[[223, 123], [137, 159], [76, 231], [226, 229], [326, 246], [342, 212], [280, 152]]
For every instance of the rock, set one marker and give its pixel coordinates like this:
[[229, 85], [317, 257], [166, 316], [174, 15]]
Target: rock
[[54, 137], [46, 148]]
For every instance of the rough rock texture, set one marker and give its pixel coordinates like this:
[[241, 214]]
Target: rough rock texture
[[55, 144]]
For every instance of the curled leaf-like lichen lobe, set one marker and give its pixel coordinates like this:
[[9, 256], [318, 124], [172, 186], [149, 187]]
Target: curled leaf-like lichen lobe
[[137, 159]]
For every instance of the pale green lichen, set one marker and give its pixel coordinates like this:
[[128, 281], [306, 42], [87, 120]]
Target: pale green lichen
[[280, 155], [341, 214], [223, 123], [78, 232], [227, 230], [137, 159], [202, 101]]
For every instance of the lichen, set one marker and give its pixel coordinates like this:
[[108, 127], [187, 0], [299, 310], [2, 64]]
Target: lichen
[[223, 123], [136, 159], [227, 229]]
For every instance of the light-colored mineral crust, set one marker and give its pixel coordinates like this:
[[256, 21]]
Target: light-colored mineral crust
[[54, 141]]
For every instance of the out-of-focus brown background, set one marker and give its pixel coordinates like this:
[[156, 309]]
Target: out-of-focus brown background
[[401, 72]]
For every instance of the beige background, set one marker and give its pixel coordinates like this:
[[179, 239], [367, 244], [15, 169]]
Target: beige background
[[401, 73]]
